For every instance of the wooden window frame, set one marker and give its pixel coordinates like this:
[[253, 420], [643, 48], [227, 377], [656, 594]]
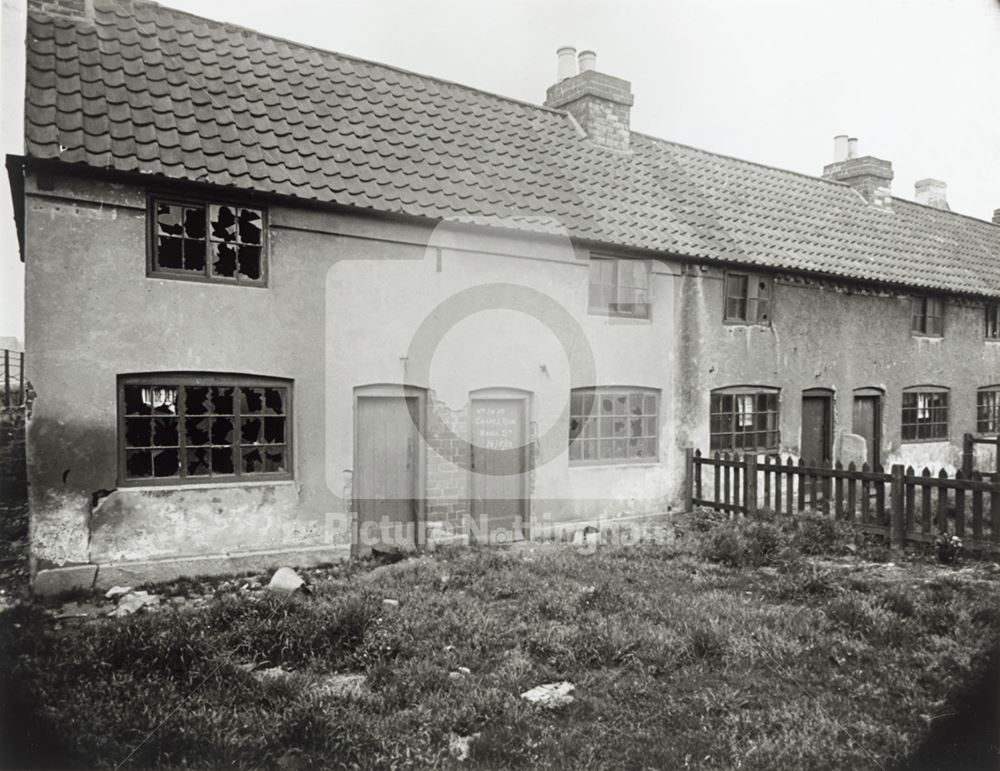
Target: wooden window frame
[[937, 429], [923, 322], [988, 415], [991, 330], [592, 424], [757, 299], [181, 380], [153, 270], [629, 310], [741, 397]]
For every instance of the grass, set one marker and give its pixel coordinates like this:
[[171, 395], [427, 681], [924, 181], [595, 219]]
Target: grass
[[751, 645]]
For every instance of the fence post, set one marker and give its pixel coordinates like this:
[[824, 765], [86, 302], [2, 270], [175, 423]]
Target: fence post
[[750, 478], [688, 479], [897, 524], [6, 378], [968, 452]]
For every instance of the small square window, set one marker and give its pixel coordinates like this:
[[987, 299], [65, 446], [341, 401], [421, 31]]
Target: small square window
[[217, 242], [748, 299], [927, 318], [744, 419], [619, 287]]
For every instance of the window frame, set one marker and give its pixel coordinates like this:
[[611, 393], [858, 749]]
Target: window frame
[[205, 202], [612, 309], [752, 298], [181, 380], [755, 392], [918, 391], [920, 319], [981, 425], [596, 415], [991, 322]]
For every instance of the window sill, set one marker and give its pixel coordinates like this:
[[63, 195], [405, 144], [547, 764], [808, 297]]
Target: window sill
[[615, 464], [922, 336], [146, 488], [757, 324], [942, 440]]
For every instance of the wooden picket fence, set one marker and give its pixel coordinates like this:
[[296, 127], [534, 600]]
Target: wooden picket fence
[[901, 504]]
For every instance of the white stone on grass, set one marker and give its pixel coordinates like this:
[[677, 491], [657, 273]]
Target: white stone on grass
[[550, 695], [286, 581]]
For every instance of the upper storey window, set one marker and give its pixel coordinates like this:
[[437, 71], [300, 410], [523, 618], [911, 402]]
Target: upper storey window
[[208, 241], [928, 316], [619, 287], [993, 321], [748, 299]]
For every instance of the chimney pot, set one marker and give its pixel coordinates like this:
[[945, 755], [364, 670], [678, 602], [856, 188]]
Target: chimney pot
[[588, 61], [852, 147], [840, 148], [932, 192], [567, 63]]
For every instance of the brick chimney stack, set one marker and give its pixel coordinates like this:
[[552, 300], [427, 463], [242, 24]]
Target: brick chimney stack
[[74, 10], [600, 103], [870, 176], [996, 216], [932, 192]]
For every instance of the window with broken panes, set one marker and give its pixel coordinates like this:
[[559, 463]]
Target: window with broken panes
[[748, 299], [744, 420], [613, 425], [218, 242], [988, 410], [927, 317], [925, 415], [199, 430]]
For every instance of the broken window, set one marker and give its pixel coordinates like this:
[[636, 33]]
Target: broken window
[[745, 419], [925, 414], [215, 241], [748, 299], [611, 425], [189, 428], [619, 287]]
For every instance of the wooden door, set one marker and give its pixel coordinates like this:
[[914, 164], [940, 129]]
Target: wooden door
[[867, 422], [386, 468], [498, 482], [816, 429]]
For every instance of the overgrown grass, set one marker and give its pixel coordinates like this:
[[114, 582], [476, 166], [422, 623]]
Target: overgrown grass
[[729, 649]]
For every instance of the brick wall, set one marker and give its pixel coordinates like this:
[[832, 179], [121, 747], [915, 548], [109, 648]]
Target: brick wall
[[447, 474]]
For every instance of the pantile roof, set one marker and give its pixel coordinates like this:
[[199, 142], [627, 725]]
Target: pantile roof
[[148, 89]]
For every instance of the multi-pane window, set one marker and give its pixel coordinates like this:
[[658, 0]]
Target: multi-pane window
[[748, 299], [988, 410], [744, 419], [993, 321], [609, 425], [619, 287], [928, 316], [184, 428], [925, 414], [218, 242]]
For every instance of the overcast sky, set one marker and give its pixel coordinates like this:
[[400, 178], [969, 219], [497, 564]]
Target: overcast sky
[[918, 82]]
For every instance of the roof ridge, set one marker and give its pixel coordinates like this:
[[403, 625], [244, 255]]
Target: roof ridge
[[350, 57]]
